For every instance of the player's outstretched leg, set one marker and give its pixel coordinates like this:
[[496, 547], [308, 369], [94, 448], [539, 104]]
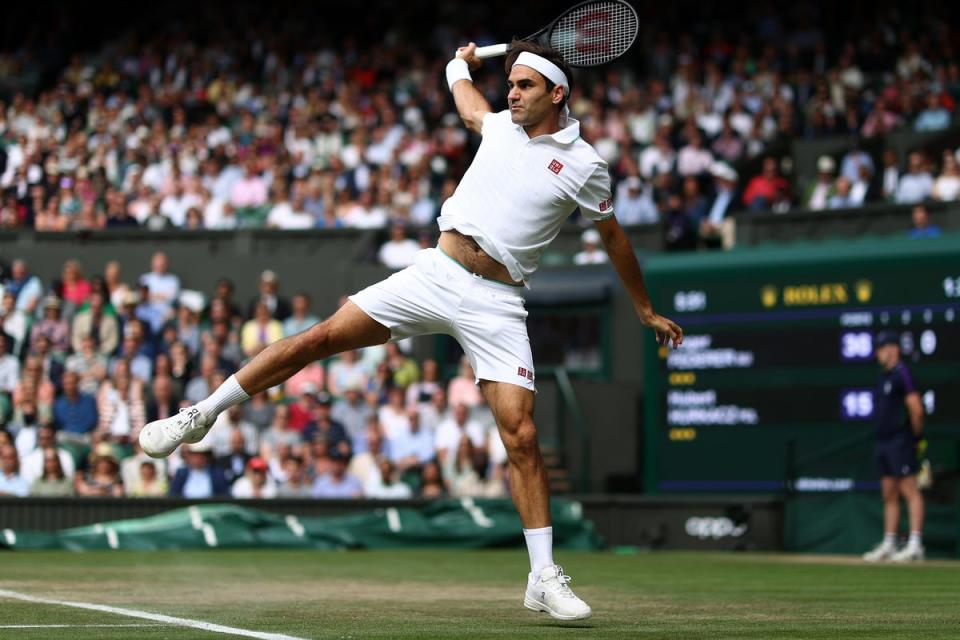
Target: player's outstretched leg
[[547, 588], [348, 328]]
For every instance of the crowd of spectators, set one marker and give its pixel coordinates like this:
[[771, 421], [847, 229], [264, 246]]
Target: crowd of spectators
[[278, 129], [85, 363]]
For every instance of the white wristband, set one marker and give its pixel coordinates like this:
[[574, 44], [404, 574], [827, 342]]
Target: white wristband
[[457, 69]]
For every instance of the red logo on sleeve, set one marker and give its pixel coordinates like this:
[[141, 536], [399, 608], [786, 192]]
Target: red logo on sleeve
[[606, 204], [555, 166]]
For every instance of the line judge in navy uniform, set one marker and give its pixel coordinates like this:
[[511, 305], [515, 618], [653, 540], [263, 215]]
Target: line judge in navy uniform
[[899, 427]]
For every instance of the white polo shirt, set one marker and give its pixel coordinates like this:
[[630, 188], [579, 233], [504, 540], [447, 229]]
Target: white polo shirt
[[518, 192]]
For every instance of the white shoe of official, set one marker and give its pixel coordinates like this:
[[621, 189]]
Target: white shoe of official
[[881, 552], [159, 438], [910, 553], [551, 594]]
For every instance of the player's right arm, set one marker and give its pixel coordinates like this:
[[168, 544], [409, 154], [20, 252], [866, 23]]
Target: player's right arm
[[471, 105], [915, 412]]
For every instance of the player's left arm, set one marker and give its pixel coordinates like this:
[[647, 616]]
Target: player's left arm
[[914, 412], [624, 260]]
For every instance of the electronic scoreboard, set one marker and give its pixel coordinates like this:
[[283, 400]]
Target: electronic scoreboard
[[777, 368]]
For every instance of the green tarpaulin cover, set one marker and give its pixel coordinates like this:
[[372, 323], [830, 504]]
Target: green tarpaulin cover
[[463, 524]]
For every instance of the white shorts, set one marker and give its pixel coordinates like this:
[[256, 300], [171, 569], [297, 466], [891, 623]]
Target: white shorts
[[438, 295]]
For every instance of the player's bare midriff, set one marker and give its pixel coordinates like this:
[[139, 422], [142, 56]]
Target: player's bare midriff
[[467, 252]]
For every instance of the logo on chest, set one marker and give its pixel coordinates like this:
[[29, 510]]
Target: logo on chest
[[555, 166]]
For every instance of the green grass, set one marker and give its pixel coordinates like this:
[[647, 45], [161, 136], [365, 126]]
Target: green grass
[[478, 594]]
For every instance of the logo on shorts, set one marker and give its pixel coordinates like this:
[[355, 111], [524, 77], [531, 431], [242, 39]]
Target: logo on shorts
[[555, 166], [524, 373], [606, 204]]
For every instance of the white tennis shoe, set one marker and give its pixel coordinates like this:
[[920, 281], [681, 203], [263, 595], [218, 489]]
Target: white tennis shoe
[[881, 552], [551, 594], [910, 553], [159, 438]]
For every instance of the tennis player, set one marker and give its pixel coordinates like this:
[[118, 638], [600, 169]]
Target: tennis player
[[531, 171]]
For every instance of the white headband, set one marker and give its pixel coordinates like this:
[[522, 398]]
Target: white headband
[[551, 71]]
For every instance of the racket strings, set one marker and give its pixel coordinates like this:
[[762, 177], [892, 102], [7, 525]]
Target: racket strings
[[595, 33]]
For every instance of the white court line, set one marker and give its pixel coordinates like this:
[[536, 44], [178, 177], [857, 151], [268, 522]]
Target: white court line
[[146, 615], [73, 626]]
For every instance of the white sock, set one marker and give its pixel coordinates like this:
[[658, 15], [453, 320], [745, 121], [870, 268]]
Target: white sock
[[890, 539], [540, 548], [226, 395], [916, 539]]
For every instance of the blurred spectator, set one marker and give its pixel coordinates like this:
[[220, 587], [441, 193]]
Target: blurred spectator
[[88, 364], [231, 430], [300, 318], [431, 481], [854, 161], [310, 379], [103, 475], [120, 406], [99, 321], [277, 306], [337, 482], [346, 372], [405, 369], [163, 401], [9, 376], [452, 430], [74, 412], [365, 465], [75, 288], [323, 427], [279, 435], [842, 198], [947, 185], [922, 228], [260, 331], [881, 120], [724, 186], [393, 417], [590, 253], [256, 482], [32, 462], [234, 459], [766, 190], [399, 250], [11, 482], [891, 174], [917, 185], [819, 193], [148, 483], [162, 291], [296, 484], [659, 158], [15, 324], [463, 388], [693, 159], [935, 117], [287, 215], [633, 204], [53, 326], [413, 448], [117, 290], [387, 486], [52, 482], [25, 286], [199, 478], [421, 391], [353, 412]]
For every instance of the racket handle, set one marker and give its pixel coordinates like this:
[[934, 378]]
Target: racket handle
[[493, 51]]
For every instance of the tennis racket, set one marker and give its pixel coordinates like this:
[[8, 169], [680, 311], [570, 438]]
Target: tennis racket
[[586, 35]]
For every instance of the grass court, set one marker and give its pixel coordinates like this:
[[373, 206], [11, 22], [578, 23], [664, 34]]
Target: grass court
[[471, 594]]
